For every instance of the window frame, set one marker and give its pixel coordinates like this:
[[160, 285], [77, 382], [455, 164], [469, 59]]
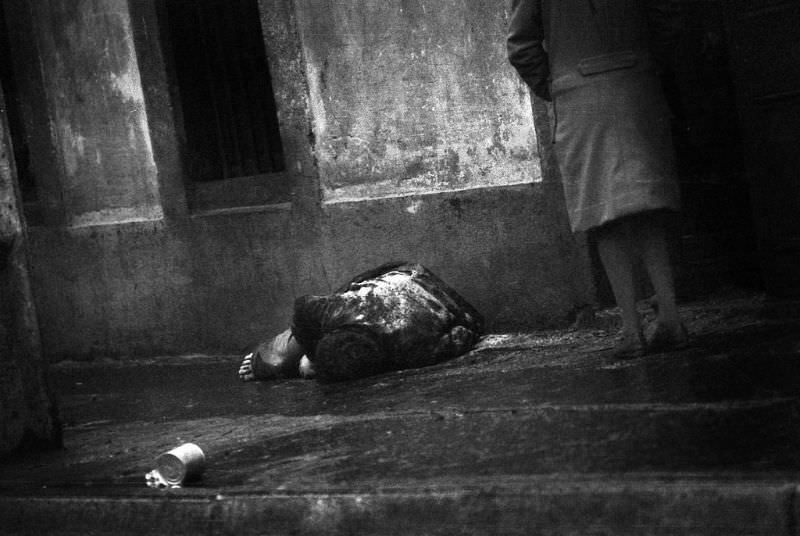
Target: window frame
[[287, 70]]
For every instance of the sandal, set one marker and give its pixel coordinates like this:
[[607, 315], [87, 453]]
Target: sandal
[[666, 339], [629, 346]]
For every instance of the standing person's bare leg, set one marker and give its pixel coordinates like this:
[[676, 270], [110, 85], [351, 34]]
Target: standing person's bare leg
[[616, 254], [652, 238]]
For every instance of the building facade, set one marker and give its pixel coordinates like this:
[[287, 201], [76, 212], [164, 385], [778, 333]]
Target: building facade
[[189, 168]]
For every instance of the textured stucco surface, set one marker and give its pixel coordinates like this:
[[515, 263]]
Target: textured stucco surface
[[98, 118], [411, 96]]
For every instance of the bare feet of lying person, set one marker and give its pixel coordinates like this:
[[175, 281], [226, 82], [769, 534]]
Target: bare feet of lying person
[[281, 357]]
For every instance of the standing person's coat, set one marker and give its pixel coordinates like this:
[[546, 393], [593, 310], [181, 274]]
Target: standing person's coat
[[597, 61]]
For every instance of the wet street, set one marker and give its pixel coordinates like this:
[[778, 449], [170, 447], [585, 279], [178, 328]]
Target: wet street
[[541, 429]]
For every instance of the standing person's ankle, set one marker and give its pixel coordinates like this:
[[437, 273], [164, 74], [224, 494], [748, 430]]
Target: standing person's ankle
[[630, 343], [668, 336]]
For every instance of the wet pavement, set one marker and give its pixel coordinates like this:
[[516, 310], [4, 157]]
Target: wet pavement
[[542, 431]]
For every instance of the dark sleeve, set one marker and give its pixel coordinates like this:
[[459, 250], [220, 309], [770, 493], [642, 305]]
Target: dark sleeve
[[524, 45]]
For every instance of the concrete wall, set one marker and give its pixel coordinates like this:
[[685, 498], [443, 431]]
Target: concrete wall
[[414, 96], [27, 408], [97, 112], [407, 137]]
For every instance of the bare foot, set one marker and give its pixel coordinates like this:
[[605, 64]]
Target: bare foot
[[306, 368], [277, 358], [246, 373]]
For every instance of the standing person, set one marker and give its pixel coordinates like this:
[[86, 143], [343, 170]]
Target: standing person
[[598, 61]]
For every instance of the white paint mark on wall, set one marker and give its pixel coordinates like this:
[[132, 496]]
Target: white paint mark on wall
[[73, 147], [127, 83], [414, 206], [114, 216], [315, 101]]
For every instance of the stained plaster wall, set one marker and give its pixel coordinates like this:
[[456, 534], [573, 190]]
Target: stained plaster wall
[[414, 96], [408, 135], [27, 407], [97, 112]]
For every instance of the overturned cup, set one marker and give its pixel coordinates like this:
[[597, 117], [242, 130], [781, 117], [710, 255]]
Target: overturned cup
[[181, 464]]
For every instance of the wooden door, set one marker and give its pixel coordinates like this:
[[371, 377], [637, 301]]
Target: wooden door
[[717, 237], [765, 60]]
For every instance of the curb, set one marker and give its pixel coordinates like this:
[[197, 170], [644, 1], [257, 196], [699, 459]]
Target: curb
[[546, 507]]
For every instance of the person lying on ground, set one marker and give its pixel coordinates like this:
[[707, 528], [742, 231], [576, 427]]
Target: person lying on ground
[[397, 316]]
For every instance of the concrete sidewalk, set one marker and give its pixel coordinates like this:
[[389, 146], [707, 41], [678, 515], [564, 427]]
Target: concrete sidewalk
[[537, 433]]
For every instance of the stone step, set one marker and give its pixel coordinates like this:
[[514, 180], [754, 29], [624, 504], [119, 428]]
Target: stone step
[[636, 505]]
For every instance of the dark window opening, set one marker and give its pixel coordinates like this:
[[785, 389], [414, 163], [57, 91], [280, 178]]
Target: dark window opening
[[16, 125], [230, 124]]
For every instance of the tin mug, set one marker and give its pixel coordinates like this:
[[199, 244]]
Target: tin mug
[[181, 464]]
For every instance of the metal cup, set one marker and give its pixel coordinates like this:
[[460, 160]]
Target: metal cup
[[181, 464]]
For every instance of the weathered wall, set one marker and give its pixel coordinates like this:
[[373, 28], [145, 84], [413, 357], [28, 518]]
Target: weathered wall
[[408, 140], [97, 111], [27, 407], [414, 96]]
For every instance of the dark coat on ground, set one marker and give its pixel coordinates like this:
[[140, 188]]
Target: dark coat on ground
[[396, 316], [598, 60]]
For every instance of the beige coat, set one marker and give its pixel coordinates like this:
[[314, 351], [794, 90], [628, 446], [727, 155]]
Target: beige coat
[[595, 60]]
